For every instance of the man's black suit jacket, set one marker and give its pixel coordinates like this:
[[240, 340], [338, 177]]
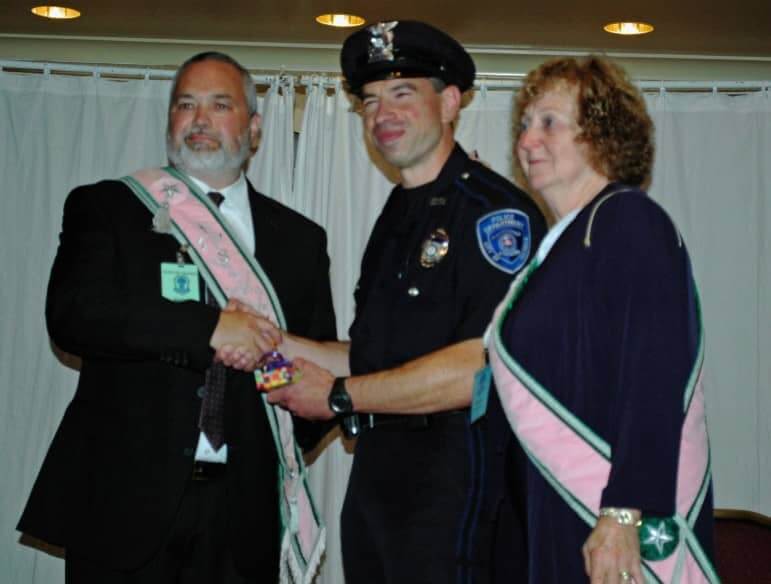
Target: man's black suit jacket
[[116, 470]]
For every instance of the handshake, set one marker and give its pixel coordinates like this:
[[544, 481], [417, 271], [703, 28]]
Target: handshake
[[242, 336]]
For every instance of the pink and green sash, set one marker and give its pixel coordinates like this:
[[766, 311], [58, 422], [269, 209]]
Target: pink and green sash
[[179, 209], [576, 462]]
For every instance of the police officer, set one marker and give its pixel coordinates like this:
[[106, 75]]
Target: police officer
[[442, 254]]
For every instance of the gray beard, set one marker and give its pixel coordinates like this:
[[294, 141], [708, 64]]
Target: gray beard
[[185, 158]]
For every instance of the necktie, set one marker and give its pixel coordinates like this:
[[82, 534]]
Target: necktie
[[212, 419], [215, 198]]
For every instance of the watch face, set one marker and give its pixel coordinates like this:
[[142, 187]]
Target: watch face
[[339, 400], [338, 404]]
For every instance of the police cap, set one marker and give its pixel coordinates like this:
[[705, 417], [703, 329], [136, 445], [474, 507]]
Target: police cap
[[406, 48]]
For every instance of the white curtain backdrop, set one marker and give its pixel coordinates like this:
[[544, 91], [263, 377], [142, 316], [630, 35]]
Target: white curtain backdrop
[[314, 151], [713, 173], [485, 127], [316, 198], [270, 170], [55, 133]]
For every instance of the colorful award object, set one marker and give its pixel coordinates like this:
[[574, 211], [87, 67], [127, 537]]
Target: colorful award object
[[273, 371]]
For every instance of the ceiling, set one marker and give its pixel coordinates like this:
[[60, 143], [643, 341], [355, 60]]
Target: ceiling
[[708, 27]]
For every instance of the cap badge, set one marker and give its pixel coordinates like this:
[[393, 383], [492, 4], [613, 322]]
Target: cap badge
[[434, 248], [381, 41]]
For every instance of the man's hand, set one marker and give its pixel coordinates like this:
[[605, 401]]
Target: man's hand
[[612, 553], [234, 305], [308, 397], [242, 336]]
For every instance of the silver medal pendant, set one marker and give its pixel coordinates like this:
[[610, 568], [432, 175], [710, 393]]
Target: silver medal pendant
[[434, 248], [162, 216], [162, 219]]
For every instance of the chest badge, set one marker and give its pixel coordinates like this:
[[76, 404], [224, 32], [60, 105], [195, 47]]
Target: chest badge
[[434, 248]]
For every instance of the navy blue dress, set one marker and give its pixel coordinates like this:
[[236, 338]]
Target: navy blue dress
[[611, 329]]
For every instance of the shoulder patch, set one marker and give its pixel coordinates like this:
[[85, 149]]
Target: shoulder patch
[[504, 238]]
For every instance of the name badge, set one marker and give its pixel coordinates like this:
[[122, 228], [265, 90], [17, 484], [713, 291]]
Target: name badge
[[480, 393], [179, 282]]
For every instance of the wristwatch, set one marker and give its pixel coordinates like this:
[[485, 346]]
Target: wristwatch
[[339, 399]]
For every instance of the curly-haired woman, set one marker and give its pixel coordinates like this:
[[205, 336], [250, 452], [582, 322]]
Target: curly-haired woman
[[597, 349]]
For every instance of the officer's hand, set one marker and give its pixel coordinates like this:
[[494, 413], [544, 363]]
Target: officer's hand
[[240, 358], [308, 397]]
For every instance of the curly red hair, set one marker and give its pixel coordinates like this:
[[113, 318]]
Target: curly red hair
[[612, 118]]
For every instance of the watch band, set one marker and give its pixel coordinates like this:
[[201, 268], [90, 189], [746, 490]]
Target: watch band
[[341, 404], [339, 399]]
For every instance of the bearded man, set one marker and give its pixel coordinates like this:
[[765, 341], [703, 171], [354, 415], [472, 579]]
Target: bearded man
[[164, 468]]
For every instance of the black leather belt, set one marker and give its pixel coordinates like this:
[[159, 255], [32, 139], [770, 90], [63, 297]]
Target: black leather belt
[[411, 421], [207, 471]]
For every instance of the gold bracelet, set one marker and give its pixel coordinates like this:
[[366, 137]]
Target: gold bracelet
[[621, 515]]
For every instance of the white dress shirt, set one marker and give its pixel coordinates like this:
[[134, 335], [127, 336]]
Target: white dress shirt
[[238, 215]]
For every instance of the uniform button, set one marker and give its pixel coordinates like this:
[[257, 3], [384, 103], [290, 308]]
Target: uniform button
[[413, 292], [400, 275], [187, 452], [201, 391], [465, 176]]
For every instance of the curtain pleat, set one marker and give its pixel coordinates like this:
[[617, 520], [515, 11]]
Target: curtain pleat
[[55, 133], [713, 175], [270, 170]]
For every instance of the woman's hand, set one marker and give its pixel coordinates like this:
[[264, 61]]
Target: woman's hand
[[612, 553]]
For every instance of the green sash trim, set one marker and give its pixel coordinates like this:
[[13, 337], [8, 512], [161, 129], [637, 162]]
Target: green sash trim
[[576, 505], [153, 206], [591, 438], [249, 258], [289, 520], [538, 391]]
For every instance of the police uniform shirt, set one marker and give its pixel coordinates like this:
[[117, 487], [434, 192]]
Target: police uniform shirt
[[406, 308]]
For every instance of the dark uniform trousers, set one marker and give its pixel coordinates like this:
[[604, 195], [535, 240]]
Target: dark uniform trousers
[[393, 534]]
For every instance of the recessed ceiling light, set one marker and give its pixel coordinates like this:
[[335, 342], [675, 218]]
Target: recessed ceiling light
[[55, 12], [340, 20], [628, 27]]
